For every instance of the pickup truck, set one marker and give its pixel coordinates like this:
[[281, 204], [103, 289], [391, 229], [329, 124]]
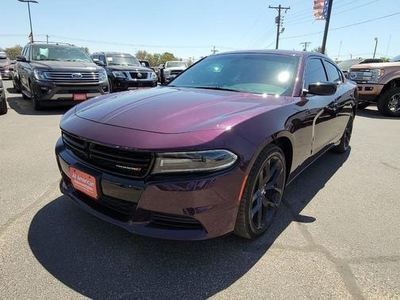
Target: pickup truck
[[378, 83], [170, 70]]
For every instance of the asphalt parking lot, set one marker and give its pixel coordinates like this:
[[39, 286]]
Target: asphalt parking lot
[[337, 235]]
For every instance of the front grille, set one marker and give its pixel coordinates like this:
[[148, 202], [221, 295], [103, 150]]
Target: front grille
[[73, 77], [135, 75], [114, 160], [176, 72], [121, 206], [168, 221]]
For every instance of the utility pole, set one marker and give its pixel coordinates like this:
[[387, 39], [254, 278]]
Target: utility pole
[[47, 38], [305, 45], [278, 21], [213, 50]]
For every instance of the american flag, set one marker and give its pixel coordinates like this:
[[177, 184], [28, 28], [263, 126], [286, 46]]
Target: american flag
[[321, 9]]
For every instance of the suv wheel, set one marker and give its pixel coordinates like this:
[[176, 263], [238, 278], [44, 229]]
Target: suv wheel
[[389, 103], [35, 101]]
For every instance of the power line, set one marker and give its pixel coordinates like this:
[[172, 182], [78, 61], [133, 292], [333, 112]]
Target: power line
[[342, 27]]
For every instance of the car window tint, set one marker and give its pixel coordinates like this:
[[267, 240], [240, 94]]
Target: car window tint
[[315, 72], [334, 75]]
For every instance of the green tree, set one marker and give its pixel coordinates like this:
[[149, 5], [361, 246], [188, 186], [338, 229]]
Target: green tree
[[12, 52], [86, 49]]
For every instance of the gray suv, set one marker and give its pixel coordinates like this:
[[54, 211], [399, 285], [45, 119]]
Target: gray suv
[[58, 74]]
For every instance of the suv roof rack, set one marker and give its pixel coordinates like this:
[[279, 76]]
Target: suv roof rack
[[52, 43]]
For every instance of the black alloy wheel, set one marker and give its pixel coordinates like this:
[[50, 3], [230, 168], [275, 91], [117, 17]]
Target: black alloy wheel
[[262, 194], [389, 103]]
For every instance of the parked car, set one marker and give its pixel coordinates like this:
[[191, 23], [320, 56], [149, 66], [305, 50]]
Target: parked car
[[3, 101], [170, 70], [5, 64], [124, 71], [58, 74], [211, 152]]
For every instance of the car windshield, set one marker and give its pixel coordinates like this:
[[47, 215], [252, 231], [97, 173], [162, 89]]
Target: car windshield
[[175, 64], [396, 58], [122, 60], [4, 60], [59, 53], [253, 73]]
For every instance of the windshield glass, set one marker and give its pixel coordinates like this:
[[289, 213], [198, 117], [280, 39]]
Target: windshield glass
[[122, 60], [254, 73], [59, 53], [396, 58], [175, 64]]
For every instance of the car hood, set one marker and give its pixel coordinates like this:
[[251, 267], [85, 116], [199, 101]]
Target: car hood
[[65, 65], [176, 110]]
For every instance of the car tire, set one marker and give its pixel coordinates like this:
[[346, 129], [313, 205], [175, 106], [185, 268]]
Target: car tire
[[262, 193], [110, 85], [24, 96], [344, 144], [3, 107], [389, 103], [35, 101]]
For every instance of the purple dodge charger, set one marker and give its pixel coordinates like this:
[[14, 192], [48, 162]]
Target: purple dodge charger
[[211, 152]]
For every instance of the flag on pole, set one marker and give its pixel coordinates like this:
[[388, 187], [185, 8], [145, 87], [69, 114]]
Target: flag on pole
[[30, 36], [321, 9]]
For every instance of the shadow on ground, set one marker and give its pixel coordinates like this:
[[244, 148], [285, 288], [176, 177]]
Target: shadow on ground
[[99, 260], [25, 107]]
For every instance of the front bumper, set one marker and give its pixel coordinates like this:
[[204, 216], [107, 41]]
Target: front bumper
[[51, 92], [369, 92], [181, 209], [120, 84]]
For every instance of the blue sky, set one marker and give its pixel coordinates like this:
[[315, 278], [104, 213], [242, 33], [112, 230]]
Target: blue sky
[[191, 29]]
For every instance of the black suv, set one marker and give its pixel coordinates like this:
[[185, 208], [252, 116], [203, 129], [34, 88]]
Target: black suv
[[124, 71], [58, 74]]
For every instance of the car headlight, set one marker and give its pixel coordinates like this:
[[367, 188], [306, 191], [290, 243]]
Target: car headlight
[[196, 161], [102, 75], [119, 74], [40, 74], [153, 76], [167, 72]]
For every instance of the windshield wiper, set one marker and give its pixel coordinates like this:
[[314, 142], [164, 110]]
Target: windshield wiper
[[219, 88]]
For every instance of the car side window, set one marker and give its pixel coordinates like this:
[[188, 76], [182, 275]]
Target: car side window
[[334, 75], [314, 72], [25, 52]]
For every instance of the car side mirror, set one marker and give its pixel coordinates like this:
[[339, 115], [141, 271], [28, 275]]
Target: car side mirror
[[98, 62], [21, 58], [322, 88]]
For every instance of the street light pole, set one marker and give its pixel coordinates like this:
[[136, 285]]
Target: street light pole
[[376, 44], [29, 12]]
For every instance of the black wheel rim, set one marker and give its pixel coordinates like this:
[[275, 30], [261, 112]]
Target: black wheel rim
[[268, 190]]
